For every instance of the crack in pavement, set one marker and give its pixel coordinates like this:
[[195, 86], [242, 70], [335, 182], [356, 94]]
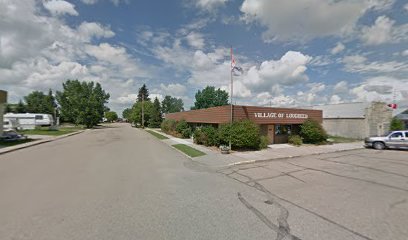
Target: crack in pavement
[[283, 230]]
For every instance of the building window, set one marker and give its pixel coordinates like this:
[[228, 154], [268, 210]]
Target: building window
[[283, 129], [39, 117]]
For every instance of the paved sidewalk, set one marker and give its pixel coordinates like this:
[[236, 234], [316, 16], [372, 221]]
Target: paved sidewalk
[[276, 151]]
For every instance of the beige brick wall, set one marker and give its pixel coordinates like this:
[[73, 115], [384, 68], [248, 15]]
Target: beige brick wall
[[351, 128]]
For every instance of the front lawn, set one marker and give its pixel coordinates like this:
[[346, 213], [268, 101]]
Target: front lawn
[[51, 132], [159, 136], [192, 152]]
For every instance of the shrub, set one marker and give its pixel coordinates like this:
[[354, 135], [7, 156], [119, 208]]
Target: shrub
[[312, 132], [181, 126], [295, 140], [168, 125], [199, 136], [186, 133], [211, 136], [243, 134], [396, 124], [264, 142]]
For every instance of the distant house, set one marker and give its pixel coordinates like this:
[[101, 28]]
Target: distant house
[[356, 120], [3, 100]]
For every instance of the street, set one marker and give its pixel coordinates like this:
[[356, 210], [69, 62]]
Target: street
[[119, 182]]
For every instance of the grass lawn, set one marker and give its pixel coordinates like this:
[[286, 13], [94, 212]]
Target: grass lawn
[[337, 139], [47, 131], [192, 152], [13, 143], [159, 136]]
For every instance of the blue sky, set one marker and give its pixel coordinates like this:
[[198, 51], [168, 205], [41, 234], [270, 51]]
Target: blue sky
[[294, 53]]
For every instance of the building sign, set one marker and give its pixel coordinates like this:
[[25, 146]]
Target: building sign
[[281, 115]]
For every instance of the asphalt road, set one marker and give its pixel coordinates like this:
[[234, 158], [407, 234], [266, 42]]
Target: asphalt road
[[123, 183]]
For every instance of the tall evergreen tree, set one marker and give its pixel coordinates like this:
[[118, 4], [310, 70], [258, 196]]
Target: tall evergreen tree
[[7, 109], [155, 114], [143, 92]]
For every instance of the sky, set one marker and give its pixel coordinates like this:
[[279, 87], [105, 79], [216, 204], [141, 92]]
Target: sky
[[293, 53]]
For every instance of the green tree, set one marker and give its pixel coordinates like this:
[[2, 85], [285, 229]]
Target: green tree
[[111, 116], [143, 92], [126, 113], [172, 104], [155, 114], [38, 102], [396, 124], [20, 108], [7, 109], [136, 113], [210, 97], [82, 102]]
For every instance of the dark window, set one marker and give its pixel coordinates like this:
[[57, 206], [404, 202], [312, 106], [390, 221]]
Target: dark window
[[406, 134], [396, 135], [39, 117], [283, 129]]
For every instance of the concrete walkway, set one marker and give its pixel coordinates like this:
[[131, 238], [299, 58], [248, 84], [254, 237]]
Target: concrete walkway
[[214, 158]]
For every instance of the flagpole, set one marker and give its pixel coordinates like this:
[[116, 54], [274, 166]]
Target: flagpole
[[231, 93]]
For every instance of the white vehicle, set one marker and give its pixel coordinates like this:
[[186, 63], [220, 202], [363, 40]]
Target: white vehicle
[[10, 124], [30, 120]]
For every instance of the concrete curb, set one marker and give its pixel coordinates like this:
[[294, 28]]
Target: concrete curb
[[288, 157], [35, 143]]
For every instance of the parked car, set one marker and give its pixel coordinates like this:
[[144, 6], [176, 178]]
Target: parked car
[[396, 139], [11, 135]]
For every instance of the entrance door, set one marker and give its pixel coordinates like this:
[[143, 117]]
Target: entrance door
[[271, 133]]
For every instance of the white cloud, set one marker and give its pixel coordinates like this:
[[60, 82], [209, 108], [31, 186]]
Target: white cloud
[[338, 48], [341, 87], [209, 5], [303, 20], [289, 70], [173, 89], [335, 99], [381, 89], [195, 40], [406, 6], [115, 2], [404, 53], [384, 31], [38, 52], [60, 7], [358, 63], [88, 30]]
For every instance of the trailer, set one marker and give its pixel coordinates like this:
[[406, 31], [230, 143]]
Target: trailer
[[30, 120]]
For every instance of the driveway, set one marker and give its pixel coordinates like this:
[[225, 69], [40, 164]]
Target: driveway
[[123, 183]]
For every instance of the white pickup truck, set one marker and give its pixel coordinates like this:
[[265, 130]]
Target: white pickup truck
[[396, 139]]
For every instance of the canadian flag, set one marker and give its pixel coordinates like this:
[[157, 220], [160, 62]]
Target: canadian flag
[[392, 105]]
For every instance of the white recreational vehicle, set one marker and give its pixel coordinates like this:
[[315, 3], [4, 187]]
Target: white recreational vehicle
[[29, 120]]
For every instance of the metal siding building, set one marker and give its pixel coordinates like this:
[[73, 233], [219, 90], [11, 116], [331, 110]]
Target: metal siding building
[[356, 120]]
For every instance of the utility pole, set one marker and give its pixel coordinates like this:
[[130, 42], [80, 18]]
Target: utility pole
[[231, 93], [142, 110]]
